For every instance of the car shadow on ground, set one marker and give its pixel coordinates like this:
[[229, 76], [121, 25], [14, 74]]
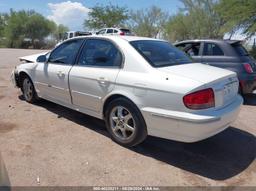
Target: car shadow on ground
[[250, 99], [219, 158]]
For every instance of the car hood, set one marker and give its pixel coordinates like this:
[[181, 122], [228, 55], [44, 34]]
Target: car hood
[[198, 72], [31, 58]]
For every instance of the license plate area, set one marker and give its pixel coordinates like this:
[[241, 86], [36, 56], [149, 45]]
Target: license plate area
[[230, 91]]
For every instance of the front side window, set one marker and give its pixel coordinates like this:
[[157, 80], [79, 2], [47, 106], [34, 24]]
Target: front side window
[[66, 52], [160, 53], [100, 53], [192, 49], [211, 49]]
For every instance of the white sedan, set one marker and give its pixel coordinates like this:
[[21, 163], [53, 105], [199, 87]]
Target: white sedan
[[139, 86]]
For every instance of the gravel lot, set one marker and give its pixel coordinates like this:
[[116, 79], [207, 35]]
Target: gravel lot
[[49, 145]]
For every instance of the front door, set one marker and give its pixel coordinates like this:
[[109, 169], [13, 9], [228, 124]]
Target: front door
[[53, 75], [193, 49]]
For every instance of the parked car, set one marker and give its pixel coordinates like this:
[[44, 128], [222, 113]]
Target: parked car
[[139, 86], [115, 31], [72, 34], [227, 54]]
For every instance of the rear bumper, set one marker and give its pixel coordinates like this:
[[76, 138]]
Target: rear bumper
[[187, 127]]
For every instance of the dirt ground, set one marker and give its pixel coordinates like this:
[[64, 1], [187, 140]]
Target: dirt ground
[[49, 145]]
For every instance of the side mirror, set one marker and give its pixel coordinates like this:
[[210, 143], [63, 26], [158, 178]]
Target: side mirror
[[41, 58]]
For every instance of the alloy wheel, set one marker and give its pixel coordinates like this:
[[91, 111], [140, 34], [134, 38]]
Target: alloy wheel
[[122, 123]]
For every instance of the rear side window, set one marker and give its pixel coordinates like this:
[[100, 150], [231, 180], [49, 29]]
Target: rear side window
[[240, 50], [101, 53], [160, 53], [211, 49]]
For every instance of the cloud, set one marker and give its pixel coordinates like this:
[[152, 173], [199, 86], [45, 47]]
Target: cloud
[[71, 14]]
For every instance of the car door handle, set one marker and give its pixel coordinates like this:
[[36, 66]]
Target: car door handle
[[60, 74], [102, 80]]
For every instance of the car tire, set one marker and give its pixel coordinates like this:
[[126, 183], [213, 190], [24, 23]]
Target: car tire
[[125, 122], [28, 90]]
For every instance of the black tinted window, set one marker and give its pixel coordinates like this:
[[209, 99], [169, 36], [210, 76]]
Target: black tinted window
[[159, 53], [211, 49], [100, 53], [66, 52], [110, 31], [126, 31]]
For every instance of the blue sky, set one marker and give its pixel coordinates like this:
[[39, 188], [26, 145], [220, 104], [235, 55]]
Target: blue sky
[[73, 12], [41, 6]]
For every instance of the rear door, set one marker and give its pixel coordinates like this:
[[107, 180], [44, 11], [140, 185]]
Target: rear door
[[95, 73], [215, 55], [212, 54]]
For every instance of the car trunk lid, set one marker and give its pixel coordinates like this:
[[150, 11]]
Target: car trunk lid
[[224, 82]]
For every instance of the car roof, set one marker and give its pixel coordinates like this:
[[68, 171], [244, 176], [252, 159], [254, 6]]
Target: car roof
[[210, 40], [127, 38]]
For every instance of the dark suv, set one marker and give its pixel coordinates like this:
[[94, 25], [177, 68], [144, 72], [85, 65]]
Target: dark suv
[[227, 54]]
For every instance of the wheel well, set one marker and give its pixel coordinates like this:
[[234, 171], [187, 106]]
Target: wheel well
[[111, 98], [22, 75]]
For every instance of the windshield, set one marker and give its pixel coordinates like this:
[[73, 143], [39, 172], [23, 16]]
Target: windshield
[[240, 50], [160, 54]]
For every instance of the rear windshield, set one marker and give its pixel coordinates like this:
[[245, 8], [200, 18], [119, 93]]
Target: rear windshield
[[126, 31], [160, 54], [240, 50]]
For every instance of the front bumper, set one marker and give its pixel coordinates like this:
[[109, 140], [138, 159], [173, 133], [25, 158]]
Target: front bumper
[[188, 127], [15, 78]]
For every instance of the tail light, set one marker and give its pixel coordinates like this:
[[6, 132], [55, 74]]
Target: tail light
[[248, 68], [202, 99], [122, 33]]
